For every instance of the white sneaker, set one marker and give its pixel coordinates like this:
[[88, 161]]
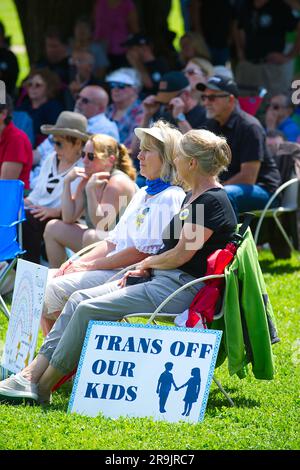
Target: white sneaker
[[16, 389]]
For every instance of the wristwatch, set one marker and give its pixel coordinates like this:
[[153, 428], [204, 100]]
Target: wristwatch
[[180, 117]]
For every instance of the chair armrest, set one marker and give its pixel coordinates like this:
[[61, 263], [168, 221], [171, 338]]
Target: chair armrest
[[84, 250], [16, 222], [270, 201], [180, 289]]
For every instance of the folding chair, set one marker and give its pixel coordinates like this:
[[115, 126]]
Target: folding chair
[[253, 99], [171, 316], [254, 331], [255, 345], [11, 217], [288, 161]]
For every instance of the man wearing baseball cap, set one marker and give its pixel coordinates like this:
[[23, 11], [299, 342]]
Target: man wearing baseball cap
[[174, 103], [252, 175]]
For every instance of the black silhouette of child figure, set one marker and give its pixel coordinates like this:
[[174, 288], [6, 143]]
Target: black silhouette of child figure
[[164, 386], [192, 390]]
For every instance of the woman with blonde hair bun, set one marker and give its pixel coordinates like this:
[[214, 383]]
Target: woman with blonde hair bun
[[205, 222], [106, 187]]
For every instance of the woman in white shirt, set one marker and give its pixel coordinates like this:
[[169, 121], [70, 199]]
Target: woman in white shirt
[[106, 186], [44, 202], [139, 231]]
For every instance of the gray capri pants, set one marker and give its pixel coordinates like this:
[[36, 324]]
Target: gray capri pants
[[62, 346], [59, 289]]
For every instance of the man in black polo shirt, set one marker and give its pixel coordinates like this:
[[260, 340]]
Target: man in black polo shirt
[[252, 175], [261, 44]]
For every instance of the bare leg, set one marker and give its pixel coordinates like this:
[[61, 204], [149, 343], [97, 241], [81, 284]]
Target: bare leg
[[49, 378], [36, 369], [90, 236], [47, 323], [57, 236]]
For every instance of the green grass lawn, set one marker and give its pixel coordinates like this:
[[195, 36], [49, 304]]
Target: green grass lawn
[[266, 415]]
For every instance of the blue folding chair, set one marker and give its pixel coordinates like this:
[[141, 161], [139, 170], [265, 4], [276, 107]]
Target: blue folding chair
[[12, 215]]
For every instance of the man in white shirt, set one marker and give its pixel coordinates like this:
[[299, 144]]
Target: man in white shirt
[[92, 102]]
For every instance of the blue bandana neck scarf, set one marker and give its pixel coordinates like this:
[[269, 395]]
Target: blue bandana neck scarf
[[156, 186]]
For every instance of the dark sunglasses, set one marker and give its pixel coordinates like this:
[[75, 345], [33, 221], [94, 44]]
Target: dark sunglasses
[[83, 99], [119, 85], [57, 143], [34, 85], [89, 155], [275, 106], [212, 98]]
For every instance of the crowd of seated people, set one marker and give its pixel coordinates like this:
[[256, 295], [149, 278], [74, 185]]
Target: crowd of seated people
[[90, 96], [167, 259]]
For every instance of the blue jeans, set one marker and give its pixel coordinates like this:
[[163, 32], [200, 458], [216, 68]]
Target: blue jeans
[[247, 197]]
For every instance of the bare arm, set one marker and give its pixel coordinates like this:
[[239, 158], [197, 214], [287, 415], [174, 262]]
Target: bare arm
[[104, 209], [90, 262], [178, 107], [121, 259], [10, 170], [133, 57], [247, 174], [192, 239], [72, 207], [133, 21], [36, 157]]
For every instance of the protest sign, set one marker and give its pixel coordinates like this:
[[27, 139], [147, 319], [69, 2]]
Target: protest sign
[[26, 310], [145, 370]]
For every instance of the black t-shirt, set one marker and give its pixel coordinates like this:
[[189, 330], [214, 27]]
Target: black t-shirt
[[9, 69], [156, 68], [62, 68], [246, 139], [212, 210], [265, 28], [216, 20], [196, 117]]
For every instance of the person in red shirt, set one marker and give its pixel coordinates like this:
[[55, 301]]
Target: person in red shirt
[[15, 148]]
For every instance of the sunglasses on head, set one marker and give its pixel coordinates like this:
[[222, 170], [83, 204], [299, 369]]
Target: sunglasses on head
[[119, 85], [212, 98], [89, 155], [83, 99]]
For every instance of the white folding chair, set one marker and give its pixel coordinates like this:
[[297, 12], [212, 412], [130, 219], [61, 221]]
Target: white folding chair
[[170, 316], [289, 203]]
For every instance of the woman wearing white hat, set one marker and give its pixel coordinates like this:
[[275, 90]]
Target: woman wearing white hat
[[44, 202], [139, 231]]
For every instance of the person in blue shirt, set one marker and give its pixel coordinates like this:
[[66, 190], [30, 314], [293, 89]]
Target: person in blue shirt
[[279, 116]]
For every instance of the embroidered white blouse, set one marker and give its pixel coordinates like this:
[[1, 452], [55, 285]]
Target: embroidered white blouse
[[142, 224]]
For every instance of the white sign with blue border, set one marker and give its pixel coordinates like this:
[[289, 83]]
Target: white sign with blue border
[[139, 370]]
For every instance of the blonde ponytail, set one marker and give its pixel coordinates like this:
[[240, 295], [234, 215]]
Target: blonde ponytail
[[124, 162]]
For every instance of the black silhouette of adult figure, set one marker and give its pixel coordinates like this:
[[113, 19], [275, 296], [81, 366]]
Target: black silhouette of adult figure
[[192, 390], [164, 386]]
